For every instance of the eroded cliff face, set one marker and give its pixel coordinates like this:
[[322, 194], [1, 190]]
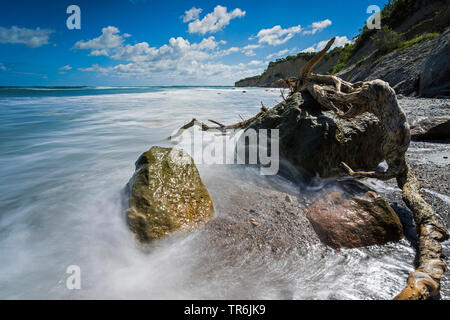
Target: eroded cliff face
[[419, 69], [290, 68]]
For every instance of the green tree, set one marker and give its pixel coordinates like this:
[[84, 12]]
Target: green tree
[[386, 40]]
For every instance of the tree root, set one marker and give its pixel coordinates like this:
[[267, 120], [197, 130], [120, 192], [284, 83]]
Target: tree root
[[306, 70], [424, 282], [378, 98]]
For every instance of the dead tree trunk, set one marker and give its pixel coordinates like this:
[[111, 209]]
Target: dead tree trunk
[[377, 97], [219, 126], [424, 282]]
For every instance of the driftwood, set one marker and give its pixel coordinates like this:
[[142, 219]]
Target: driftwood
[[424, 282], [219, 126], [378, 98]]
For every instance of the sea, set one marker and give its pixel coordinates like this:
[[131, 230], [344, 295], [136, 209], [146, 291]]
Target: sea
[[66, 155]]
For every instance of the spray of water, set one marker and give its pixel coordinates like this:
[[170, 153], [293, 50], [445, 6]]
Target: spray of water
[[65, 163]]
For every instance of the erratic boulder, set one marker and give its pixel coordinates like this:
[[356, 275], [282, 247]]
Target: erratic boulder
[[316, 141], [166, 194], [354, 218]]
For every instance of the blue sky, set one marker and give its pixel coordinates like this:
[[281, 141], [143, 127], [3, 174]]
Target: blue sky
[[153, 42]]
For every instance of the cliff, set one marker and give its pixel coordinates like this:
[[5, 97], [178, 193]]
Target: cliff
[[419, 70], [411, 52], [289, 67]]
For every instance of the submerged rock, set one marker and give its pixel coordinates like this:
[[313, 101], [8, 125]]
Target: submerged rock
[[316, 141], [437, 128], [345, 220], [166, 194]]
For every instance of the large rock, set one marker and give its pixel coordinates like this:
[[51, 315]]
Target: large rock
[[166, 194], [437, 128], [354, 218], [435, 73], [317, 141]]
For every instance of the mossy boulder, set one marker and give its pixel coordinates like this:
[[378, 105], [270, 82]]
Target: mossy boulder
[[316, 141], [166, 195]]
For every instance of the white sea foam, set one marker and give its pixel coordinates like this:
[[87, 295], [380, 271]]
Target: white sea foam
[[64, 163]]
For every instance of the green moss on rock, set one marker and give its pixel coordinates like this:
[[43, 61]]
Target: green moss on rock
[[166, 194]]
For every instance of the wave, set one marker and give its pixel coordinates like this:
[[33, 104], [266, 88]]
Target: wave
[[49, 91]]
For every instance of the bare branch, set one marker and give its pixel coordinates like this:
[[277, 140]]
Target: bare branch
[[306, 70], [282, 95]]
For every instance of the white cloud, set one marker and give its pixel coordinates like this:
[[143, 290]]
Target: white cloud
[[32, 38], [256, 63], [277, 54], [229, 51], [318, 26], [110, 38], [209, 43], [137, 52], [251, 47], [95, 68], [339, 42], [179, 59], [215, 21], [97, 53], [191, 72], [283, 53], [249, 50], [142, 51], [310, 49], [277, 35], [65, 68], [111, 43], [191, 14]]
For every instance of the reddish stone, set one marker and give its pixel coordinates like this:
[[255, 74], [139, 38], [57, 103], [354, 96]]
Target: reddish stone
[[343, 221]]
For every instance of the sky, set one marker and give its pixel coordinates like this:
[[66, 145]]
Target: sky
[[159, 43]]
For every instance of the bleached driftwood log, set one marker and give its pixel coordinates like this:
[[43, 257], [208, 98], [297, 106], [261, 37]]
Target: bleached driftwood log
[[219, 126], [378, 98], [348, 100]]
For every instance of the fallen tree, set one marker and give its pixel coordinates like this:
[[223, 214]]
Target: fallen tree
[[378, 98], [349, 100]]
